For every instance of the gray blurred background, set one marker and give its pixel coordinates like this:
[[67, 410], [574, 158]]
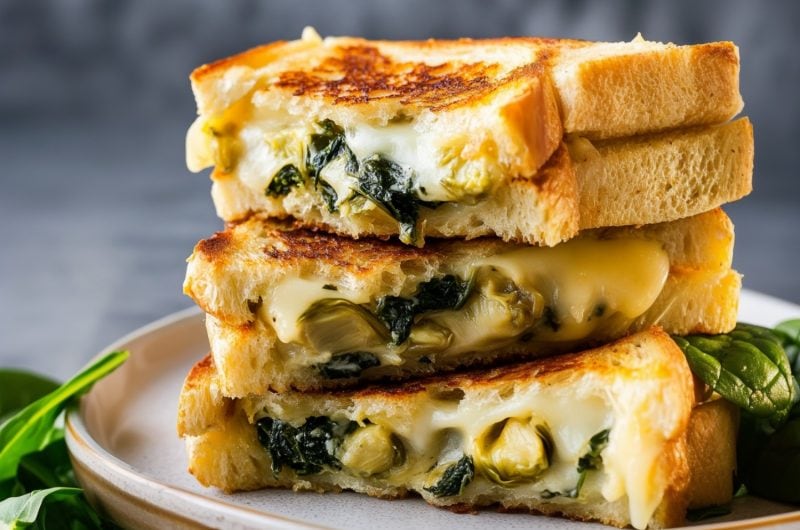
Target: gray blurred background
[[98, 212]]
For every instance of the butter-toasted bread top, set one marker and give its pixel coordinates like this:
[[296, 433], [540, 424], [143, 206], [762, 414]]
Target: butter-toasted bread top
[[633, 87]]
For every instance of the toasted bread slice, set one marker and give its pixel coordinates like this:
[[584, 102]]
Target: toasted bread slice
[[642, 180], [301, 309], [603, 89], [441, 137], [513, 437]]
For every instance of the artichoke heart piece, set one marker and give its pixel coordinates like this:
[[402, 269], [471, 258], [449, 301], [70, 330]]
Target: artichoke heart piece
[[513, 451], [335, 325], [371, 449], [497, 310]]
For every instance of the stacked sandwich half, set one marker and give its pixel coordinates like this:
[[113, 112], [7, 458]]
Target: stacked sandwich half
[[453, 268]]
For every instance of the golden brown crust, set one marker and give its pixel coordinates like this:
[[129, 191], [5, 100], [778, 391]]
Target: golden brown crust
[[358, 71], [361, 74]]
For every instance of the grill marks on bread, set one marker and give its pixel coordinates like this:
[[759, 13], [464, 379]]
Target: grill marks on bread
[[360, 74]]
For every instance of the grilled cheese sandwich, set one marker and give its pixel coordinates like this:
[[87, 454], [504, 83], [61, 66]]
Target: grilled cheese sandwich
[[293, 308], [380, 138], [600, 435]]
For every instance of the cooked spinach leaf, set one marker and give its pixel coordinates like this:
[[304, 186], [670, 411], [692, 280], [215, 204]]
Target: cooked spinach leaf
[[390, 186], [589, 461], [328, 195], [398, 315], [306, 449], [454, 479], [747, 366], [349, 364], [324, 147], [448, 292], [284, 180]]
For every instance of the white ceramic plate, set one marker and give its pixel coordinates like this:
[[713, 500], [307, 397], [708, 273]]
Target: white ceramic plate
[[130, 461]]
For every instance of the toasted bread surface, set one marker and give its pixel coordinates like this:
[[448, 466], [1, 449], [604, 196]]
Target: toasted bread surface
[[603, 89]]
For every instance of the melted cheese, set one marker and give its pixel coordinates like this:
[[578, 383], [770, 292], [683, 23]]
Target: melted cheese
[[290, 299], [268, 139], [577, 277], [438, 430], [622, 276]]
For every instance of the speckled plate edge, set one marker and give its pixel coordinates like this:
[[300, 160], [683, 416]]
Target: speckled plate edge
[[138, 501]]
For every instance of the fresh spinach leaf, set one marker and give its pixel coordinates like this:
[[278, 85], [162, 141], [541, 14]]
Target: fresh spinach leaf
[[53, 508], [774, 472], [789, 333], [448, 292], [390, 186], [747, 366], [20, 389], [349, 364], [285, 179], [454, 479], [32, 428], [306, 449], [48, 468]]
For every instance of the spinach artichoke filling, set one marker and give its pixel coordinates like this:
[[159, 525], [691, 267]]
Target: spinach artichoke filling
[[445, 316], [510, 453]]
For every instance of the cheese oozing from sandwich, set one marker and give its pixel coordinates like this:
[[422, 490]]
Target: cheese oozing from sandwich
[[575, 291]]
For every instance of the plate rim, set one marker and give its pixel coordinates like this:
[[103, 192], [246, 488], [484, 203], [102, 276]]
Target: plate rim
[[81, 444]]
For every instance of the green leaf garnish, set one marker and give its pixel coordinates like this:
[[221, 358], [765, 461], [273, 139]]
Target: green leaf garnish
[[32, 428], [49, 508], [21, 388], [747, 366]]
